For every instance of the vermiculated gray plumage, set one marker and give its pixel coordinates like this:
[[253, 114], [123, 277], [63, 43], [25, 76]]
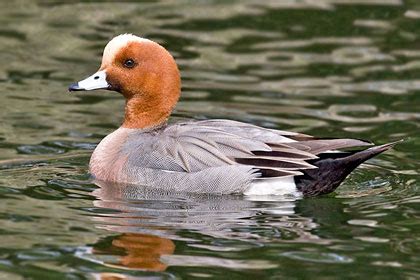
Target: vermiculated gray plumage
[[225, 157]]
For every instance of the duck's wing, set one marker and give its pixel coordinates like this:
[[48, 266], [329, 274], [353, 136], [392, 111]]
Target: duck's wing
[[196, 146]]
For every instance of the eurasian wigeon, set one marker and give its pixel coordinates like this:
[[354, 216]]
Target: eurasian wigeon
[[210, 156]]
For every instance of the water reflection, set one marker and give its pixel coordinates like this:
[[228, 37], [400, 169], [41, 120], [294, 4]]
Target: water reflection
[[136, 251], [150, 224]]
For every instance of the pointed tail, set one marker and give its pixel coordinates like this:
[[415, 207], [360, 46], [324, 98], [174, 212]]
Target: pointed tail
[[333, 169]]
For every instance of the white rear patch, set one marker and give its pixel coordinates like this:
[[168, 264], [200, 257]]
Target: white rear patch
[[117, 43], [275, 186]]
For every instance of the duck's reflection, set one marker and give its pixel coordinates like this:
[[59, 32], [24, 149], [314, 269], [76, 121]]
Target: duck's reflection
[[137, 251], [150, 223]]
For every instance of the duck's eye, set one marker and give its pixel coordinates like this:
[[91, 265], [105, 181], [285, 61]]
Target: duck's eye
[[129, 63]]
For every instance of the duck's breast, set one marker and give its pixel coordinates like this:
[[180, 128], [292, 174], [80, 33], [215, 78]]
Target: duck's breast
[[108, 160]]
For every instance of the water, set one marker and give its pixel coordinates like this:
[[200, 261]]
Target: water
[[329, 68]]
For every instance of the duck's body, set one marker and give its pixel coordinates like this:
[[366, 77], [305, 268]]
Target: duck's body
[[212, 156], [223, 157]]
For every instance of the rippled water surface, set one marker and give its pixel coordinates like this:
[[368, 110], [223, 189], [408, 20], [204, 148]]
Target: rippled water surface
[[330, 68]]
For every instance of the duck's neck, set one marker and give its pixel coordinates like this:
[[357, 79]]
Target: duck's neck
[[142, 115], [149, 102]]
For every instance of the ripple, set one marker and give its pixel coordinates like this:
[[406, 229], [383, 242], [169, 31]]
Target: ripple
[[200, 261], [317, 257], [368, 223], [372, 239], [38, 150]]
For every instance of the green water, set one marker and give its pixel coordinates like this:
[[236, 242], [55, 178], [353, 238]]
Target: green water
[[329, 68]]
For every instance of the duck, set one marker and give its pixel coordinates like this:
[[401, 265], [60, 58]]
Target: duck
[[213, 156]]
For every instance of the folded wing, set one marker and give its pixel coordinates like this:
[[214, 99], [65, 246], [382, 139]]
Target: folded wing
[[195, 146]]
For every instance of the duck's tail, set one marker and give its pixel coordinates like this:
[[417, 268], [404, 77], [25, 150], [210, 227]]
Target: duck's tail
[[333, 168]]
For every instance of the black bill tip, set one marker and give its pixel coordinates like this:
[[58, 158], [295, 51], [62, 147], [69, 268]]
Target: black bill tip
[[75, 87]]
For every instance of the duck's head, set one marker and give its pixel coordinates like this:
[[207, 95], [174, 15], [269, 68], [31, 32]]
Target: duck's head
[[144, 73]]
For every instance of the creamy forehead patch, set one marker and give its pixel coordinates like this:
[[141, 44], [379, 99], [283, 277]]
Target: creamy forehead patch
[[118, 42]]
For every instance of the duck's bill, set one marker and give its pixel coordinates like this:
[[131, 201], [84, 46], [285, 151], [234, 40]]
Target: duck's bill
[[96, 81]]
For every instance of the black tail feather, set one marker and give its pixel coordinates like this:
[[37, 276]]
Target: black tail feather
[[333, 170]]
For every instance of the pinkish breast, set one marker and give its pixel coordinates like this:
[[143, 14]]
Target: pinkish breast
[[107, 161]]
